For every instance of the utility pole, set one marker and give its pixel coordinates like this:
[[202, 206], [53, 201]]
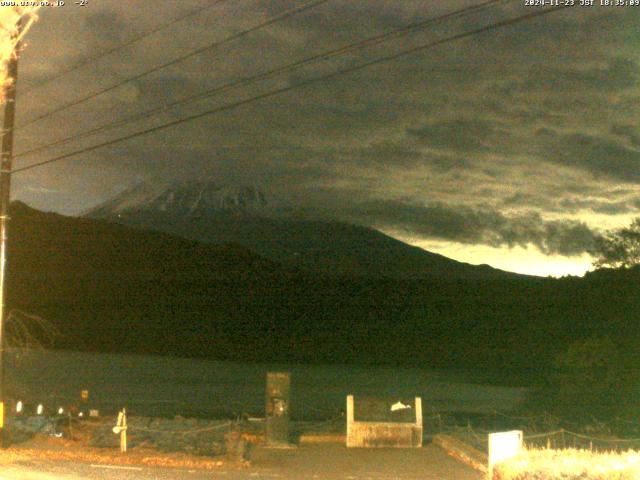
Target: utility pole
[[6, 161]]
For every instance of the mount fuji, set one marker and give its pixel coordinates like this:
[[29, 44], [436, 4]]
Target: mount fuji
[[208, 212]]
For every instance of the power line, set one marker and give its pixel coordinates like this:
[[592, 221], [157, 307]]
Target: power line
[[272, 93], [98, 56], [193, 53], [374, 40]]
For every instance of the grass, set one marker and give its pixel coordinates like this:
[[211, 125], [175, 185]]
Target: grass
[[570, 464]]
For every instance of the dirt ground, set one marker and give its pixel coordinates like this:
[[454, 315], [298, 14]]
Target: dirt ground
[[335, 461], [46, 456], [323, 461]]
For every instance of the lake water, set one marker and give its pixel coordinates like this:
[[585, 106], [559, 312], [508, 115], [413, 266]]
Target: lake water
[[164, 386]]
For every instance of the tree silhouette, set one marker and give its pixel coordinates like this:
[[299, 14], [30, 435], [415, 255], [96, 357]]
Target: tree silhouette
[[619, 248]]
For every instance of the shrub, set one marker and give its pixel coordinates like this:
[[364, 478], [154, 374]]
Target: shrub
[[592, 378]]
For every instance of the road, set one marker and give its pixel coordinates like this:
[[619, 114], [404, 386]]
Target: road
[[321, 462]]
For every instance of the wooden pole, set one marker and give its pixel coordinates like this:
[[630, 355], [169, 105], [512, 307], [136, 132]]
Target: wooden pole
[[6, 160]]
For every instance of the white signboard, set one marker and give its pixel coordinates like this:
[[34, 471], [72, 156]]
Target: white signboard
[[502, 446]]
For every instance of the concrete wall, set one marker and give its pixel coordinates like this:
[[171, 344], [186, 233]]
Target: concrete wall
[[384, 434]]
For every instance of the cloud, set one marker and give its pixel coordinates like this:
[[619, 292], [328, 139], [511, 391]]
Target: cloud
[[618, 74], [469, 225], [106, 26], [597, 206], [599, 155], [383, 155], [171, 87], [603, 201], [538, 117], [628, 132], [459, 134]]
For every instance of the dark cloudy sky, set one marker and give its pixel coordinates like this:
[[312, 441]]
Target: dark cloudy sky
[[513, 147]]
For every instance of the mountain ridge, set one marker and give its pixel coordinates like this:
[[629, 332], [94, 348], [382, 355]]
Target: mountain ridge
[[112, 288], [278, 233]]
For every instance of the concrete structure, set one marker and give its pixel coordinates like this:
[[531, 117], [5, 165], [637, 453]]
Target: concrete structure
[[277, 404], [374, 422]]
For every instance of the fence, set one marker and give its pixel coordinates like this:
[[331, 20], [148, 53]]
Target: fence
[[301, 411], [542, 430], [556, 439]]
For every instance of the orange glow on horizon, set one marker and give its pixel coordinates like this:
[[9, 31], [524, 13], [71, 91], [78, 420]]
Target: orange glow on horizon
[[527, 261]]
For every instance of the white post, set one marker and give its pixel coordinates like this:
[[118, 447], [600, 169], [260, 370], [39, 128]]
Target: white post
[[350, 418], [121, 428], [123, 432]]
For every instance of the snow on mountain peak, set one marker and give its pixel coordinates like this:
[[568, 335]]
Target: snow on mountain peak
[[183, 198]]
